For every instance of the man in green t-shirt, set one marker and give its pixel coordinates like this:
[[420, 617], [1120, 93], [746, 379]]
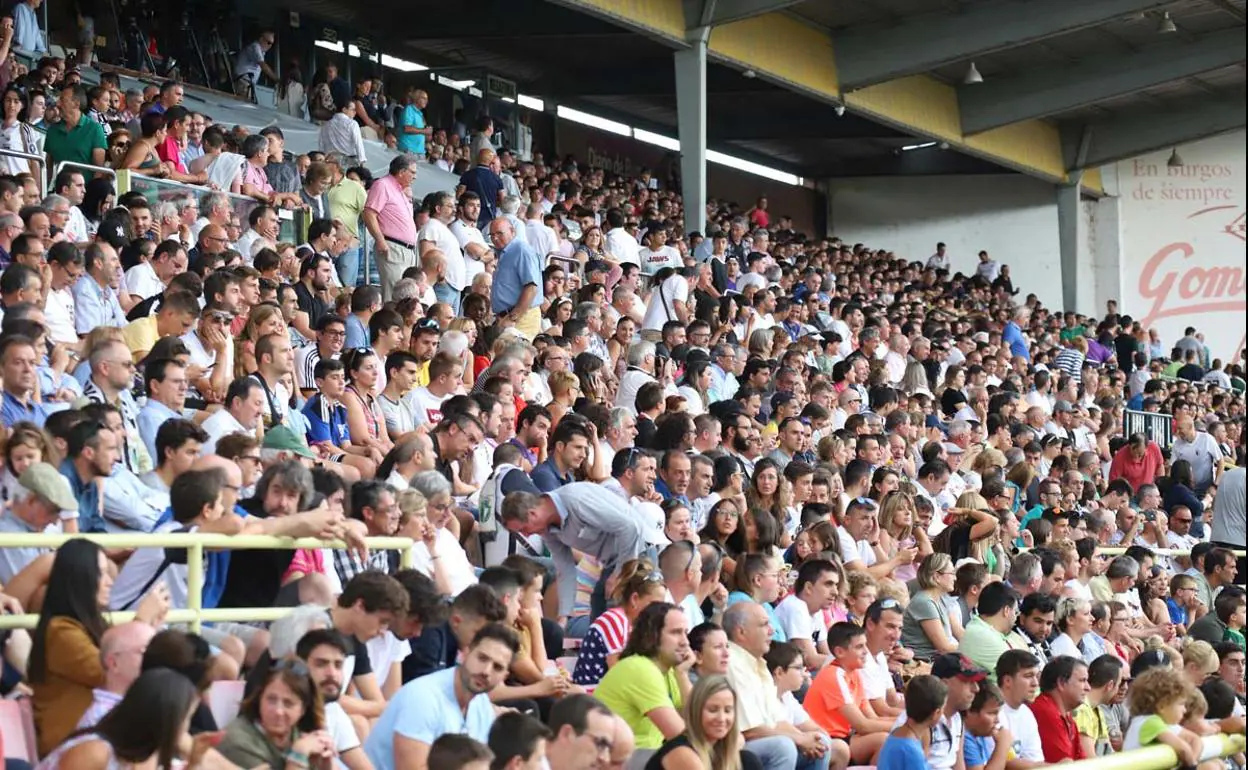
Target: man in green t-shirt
[[650, 682], [76, 138], [991, 632]]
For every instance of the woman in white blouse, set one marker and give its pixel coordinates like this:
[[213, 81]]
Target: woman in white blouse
[[438, 554]]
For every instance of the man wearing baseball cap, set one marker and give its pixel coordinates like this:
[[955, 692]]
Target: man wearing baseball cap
[[44, 498], [963, 678]]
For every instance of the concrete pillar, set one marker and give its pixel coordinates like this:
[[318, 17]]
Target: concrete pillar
[[1107, 252], [691, 120], [1071, 235]]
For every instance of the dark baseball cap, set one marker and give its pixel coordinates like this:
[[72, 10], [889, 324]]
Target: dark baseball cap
[[951, 665]]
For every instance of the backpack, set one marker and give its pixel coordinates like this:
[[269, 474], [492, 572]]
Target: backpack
[[321, 102]]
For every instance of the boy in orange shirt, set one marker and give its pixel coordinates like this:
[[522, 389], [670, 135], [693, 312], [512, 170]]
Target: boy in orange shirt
[[837, 702]]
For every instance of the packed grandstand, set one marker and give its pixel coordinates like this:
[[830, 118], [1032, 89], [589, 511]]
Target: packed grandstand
[[742, 498]]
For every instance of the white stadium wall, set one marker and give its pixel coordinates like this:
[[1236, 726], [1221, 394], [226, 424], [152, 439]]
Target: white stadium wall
[[1183, 242], [1012, 217]]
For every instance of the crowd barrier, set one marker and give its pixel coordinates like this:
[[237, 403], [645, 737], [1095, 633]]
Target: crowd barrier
[[40, 160], [195, 544], [1159, 757]]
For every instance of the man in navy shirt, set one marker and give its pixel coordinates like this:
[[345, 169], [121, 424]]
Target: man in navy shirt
[[570, 446], [483, 179]]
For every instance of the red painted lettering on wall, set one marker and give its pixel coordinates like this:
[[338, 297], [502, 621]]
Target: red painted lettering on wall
[[1172, 289]]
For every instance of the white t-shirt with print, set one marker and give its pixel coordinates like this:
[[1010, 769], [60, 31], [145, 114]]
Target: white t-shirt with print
[[426, 407], [1022, 725], [654, 261], [798, 622]]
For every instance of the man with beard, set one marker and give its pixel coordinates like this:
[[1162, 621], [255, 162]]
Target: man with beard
[[315, 275], [324, 651], [453, 700]]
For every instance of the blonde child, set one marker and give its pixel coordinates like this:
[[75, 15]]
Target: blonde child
[[898, 531], [862, 593], [1158, 701]]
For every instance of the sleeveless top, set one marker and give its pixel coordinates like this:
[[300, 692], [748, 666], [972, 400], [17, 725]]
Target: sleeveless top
[[53, 760], [749, 761]]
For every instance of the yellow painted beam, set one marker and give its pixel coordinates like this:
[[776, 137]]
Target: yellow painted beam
[[785, 50]]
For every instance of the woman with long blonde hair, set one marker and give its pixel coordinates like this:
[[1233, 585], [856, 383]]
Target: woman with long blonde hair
[[712, 738], [898, 530], [262, 321]]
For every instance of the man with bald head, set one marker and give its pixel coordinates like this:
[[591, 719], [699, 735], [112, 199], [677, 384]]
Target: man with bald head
[[121, 657], [1201, 450], [212, 240], [516, 298], [623, 746]]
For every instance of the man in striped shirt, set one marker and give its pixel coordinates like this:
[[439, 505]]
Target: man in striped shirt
[[331, 333]]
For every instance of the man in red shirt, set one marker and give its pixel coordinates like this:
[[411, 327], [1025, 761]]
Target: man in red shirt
[[1139, 462], [1063, 686]]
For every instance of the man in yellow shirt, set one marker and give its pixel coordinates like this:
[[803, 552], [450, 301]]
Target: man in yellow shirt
[[346, 203], [176, 315]]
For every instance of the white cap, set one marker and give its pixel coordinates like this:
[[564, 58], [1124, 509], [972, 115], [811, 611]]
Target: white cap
[[652, 521]]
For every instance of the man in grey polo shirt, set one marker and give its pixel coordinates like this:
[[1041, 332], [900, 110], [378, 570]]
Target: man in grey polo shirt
[[580, 516], [44, 498]]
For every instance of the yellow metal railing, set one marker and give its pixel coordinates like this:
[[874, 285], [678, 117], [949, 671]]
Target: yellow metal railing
[[1156, 757], [195, 544]]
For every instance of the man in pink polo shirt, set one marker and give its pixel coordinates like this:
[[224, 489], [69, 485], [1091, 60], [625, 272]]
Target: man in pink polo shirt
[[389, 219]]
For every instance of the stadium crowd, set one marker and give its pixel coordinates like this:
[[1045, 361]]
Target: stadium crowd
[[745, 498]]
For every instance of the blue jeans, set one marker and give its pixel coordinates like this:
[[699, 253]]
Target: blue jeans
[[348, 266], [448, 294], [779, 752]]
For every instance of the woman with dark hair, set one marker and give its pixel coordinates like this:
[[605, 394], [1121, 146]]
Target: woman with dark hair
[[65, 657], [769, 491], [148, 728], [695, 384], [16, 133], [143, 156], [1178, 490], [674, 430], [98, 198], [281, 724], [365, 421]]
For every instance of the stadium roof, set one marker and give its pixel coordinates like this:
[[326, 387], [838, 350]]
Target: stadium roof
[[1068, 84]]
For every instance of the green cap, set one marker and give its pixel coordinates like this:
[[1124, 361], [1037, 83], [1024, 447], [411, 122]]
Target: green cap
[[47, 482], [283, 439]]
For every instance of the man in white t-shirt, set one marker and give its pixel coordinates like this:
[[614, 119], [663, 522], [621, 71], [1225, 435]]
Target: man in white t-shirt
[[435, 235], [1200, 450], [856, 551], [325, 653], [445, 372], [667, 303], [1018, 676], [801, 614], [477, 253], [657, 254], [883, 623]]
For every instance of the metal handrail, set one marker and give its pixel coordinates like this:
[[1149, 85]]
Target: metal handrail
[[194, 543], [59, 167], [1159, 756], [40, 159]]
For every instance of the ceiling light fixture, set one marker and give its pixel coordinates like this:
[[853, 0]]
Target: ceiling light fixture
[[749, 74], [1166, 25], [972, 76], [1175, 160], [839, 109]]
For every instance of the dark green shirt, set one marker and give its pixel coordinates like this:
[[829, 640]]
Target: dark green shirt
[[74, 145]]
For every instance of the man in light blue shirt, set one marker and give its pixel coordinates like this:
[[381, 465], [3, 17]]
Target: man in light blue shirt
[[167, 386], [453, 700], [516, 295], [26, 31], [95, 293], [412, 128]]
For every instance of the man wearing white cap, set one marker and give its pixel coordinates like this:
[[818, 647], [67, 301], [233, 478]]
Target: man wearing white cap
[[44, 498]]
